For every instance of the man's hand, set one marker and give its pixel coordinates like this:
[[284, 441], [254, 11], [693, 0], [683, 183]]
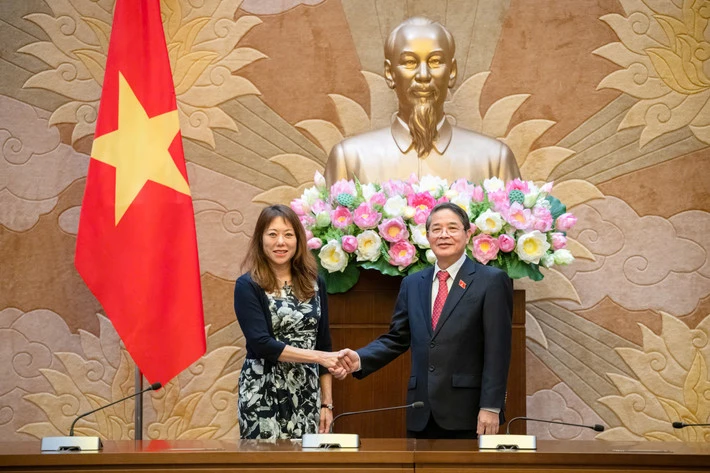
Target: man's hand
[[349, 361], [328, 359], [487, 423]]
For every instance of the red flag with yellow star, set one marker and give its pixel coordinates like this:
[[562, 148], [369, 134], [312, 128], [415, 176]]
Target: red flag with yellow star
[[136, 247]]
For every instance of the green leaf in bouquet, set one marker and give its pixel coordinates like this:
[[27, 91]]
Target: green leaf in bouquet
[[338, 282], [477, 208], [518, 269], [382, 266], [332, 233], [557, 208]]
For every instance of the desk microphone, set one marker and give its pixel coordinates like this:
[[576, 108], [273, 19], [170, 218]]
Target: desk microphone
[[152, 387], [414, 405], [680, 425], [596, 427]]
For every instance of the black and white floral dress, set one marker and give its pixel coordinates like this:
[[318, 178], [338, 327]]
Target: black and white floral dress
[[279, 400]]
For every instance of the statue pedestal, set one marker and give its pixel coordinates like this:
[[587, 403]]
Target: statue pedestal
[[362, 314]]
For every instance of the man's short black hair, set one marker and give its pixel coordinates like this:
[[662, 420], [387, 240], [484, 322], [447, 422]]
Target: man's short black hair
[[463, 216]]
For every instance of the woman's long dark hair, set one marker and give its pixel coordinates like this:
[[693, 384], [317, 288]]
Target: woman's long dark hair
[[304, 270]]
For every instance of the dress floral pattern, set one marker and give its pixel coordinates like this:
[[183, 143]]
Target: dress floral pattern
[[282, 400]]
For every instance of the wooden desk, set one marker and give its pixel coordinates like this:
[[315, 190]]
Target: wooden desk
[[375, 455], [588, 456]]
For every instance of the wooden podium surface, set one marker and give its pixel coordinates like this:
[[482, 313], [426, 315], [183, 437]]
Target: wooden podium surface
[[375, 455], [381, 455]]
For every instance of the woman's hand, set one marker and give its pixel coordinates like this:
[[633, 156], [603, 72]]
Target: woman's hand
[[326, 418], [329, 360]]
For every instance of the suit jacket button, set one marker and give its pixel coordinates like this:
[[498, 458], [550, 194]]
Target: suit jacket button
[[432, 345], [431, 368]]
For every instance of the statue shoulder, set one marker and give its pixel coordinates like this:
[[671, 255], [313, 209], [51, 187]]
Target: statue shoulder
[[498, 154], [357, 153], [366, 139]]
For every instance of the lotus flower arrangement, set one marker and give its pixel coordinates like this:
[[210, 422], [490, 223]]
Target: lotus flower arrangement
[[517, 225]]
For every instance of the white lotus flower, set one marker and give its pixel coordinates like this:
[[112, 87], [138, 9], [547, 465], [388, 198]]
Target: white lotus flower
[[332, 257], [532, 246], [368, 246]]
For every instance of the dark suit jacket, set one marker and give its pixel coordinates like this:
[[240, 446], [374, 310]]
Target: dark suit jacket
[[463, 364]]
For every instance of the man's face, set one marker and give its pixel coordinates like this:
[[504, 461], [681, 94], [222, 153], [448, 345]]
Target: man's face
[[447, 237], [421, 67]]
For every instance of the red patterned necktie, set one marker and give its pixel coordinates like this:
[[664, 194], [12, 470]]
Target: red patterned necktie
[[440, 298]]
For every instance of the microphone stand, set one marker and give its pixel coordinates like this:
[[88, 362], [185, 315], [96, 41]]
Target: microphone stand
[[682, 425], [331, 440], [595, 427], [91, 443], [414, 405], [508, 441]]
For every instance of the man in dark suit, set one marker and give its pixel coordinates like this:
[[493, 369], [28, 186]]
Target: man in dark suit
[[456, 317]]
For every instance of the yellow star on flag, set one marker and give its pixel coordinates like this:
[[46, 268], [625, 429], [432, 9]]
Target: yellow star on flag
[[138, 149]]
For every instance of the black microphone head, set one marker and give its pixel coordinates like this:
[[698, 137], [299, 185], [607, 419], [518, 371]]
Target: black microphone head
[[417, 405], [155, 386], [678, 425], [598, 427]]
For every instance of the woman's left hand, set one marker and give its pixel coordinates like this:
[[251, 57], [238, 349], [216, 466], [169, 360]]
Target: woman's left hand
[[326, 418]]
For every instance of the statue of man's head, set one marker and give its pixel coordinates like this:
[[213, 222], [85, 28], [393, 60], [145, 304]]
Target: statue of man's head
[[420, 67]]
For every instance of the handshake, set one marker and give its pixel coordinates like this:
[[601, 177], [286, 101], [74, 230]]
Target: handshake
[[340, 363]]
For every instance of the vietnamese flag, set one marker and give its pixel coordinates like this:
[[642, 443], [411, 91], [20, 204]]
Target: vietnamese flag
[[136, 247]]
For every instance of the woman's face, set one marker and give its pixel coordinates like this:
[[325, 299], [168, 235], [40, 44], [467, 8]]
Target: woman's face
[[279, 243]]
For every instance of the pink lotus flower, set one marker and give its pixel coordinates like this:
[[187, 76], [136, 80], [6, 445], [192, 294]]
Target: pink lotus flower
[[518, 184], [519, 217], [421, 200], [307, 220], [421, 215], [506, 243], [565, 222], [559, 240], [378, 198], [402, 254], [485, 248], [314, 244], [366, 216], [442, 199], [341, 217], [309, 234], [300, 207], [547, 187], [477, 195], [343, 187], [462, 186], [394, 187], [499, 200], [320, 206], [349, 243], [393, 230], [543, 219]]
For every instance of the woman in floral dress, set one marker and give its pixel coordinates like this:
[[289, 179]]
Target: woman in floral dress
[[285, 389]]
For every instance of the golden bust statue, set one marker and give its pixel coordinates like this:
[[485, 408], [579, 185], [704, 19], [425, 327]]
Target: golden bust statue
[[420, 66]]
